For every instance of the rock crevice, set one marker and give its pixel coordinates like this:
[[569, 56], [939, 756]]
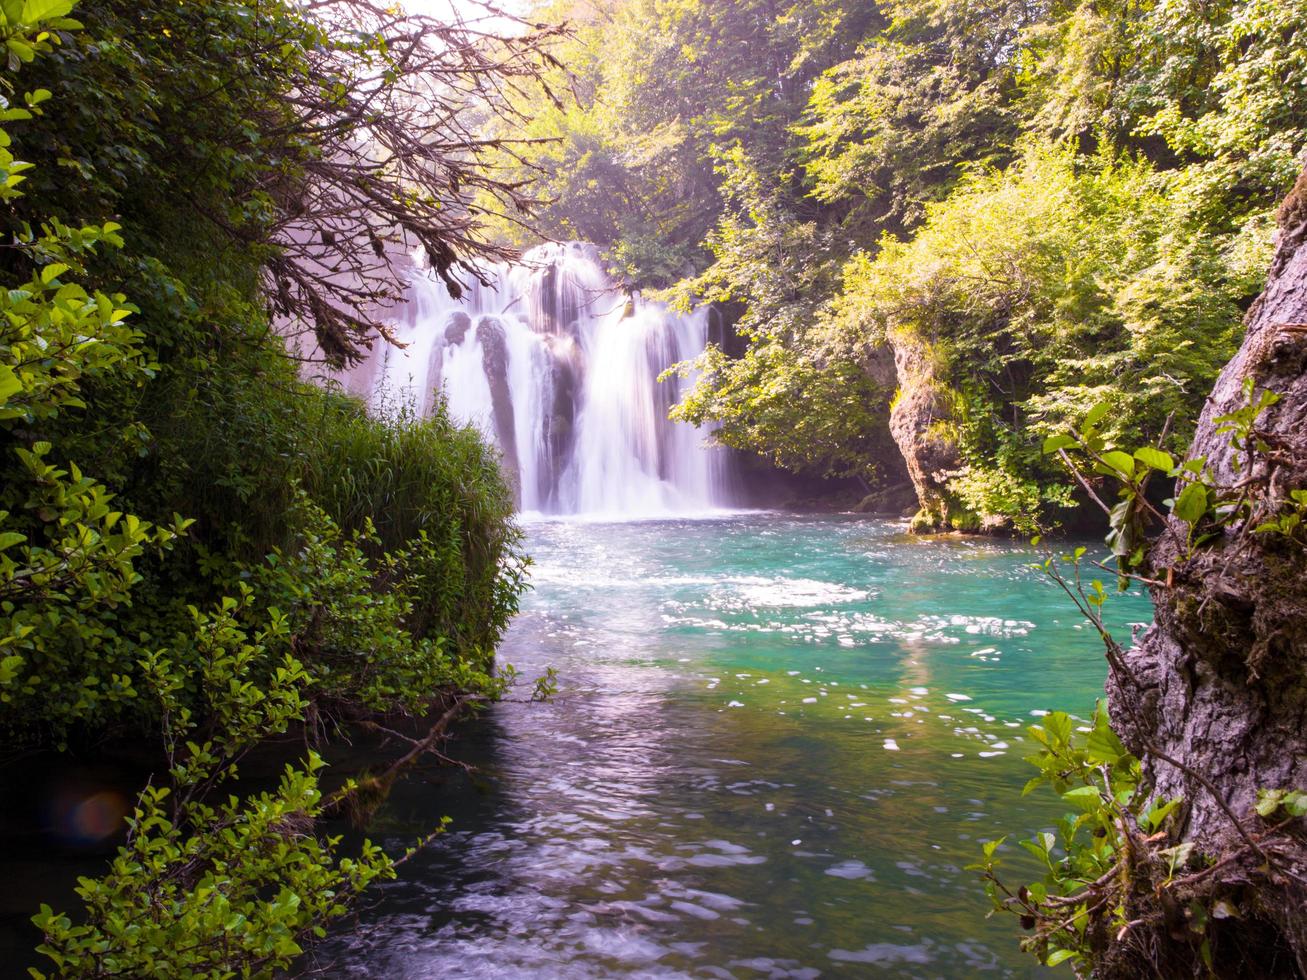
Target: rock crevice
[[1218, 685]]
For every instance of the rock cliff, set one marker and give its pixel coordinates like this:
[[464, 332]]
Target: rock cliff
[[1215, 698]]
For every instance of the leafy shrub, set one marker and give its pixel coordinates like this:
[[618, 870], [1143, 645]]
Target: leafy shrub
[[1044, 289], [350, 618], [383, 550], [216, 891]]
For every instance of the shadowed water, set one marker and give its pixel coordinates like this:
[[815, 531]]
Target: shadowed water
[[777, 744]]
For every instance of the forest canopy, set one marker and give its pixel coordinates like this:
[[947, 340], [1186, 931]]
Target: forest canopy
[[963, 224]]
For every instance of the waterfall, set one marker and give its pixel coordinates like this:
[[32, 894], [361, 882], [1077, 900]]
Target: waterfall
[[560, 370]]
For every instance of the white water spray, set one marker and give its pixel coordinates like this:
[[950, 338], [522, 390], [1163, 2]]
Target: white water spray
[[560, 369]]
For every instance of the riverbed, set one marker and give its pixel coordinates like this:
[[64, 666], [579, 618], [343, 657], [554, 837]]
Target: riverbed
[[777, 743]]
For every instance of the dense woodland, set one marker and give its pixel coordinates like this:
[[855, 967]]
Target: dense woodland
[[942, 232], [960, 223], [199, 550]]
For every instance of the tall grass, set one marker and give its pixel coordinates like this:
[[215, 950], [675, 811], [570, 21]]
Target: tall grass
[[412, 476], [232, 443]]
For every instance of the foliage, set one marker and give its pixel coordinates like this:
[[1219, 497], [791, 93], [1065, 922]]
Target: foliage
[[383, 550], [1089, 768], [662, 92], [216, 890], [1203, 505], [883, 131], [351, 619], [67, 556], [1039, 288], [1114, 167], [432, 489], [1133, 866], [1223, 85], [809, 416], [183, 402], [345, 150]]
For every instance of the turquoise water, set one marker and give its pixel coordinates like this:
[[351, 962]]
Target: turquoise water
[[777, 743]]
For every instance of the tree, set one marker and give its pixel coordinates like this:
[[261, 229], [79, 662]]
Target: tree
[[186, 402], [1026, 297], [331, 141], [1186, 854]]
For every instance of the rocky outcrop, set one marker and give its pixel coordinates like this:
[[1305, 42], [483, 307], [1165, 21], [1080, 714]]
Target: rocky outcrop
[[494, 358], [456, 327], [921, 424], [566, 367], [898, 499], [1214, 695]]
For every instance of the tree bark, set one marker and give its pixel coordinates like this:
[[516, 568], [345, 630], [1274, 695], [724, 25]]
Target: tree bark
[[1215, 700]]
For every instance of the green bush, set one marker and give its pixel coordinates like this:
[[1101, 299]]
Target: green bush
[[226, 890], [1045, 288], [353, 564], [183, 402], [352, 619]]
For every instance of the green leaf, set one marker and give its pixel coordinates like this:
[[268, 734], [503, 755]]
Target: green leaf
[[1097, 413], [35, 11], [1104, 746], [1268, 801], [1295, 804], [1123, 463], [9, 383], [1053, 443], [1191, 505], [1086, 798], [1060, 956], [1034, 848], [1155, 458], [1159, 812], [19, 51]]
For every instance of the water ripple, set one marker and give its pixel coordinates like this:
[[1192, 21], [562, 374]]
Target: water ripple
[[778, 743]]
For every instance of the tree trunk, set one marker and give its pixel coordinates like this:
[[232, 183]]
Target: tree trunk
[[1215, 702]]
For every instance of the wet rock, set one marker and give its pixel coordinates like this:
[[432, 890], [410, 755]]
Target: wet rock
[[560, 423], [922, 427], [494, 354], [895, 499], [456, 327]]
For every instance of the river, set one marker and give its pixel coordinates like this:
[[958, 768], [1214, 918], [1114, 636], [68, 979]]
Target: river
[[777, 743]]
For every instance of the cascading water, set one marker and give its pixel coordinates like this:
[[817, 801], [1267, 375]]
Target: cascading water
[[561, 369]]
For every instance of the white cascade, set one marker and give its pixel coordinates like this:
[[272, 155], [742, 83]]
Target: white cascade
[[560, 369]]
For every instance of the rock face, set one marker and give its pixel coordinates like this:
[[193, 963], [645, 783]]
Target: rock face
[[920, 423], [897, 499], [494, 357], [1215, 702], [456, 327]]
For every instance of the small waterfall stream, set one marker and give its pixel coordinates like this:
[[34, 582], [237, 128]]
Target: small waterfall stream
[[560, 369]]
